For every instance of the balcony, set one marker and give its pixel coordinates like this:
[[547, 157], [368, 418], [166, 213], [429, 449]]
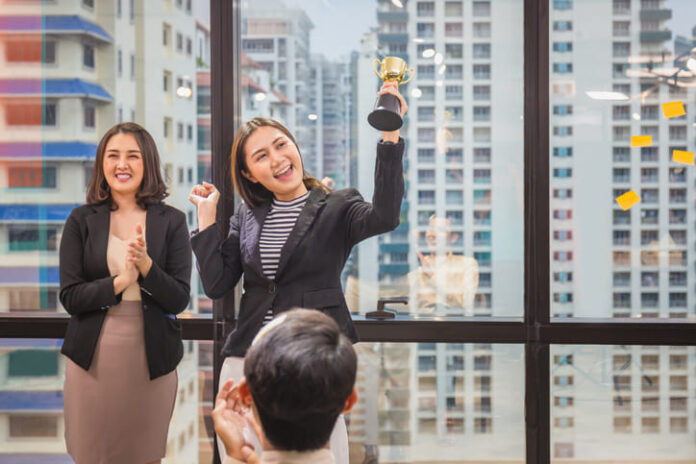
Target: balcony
[[656, 14], [392, 16], [656, 36], [393, 37]]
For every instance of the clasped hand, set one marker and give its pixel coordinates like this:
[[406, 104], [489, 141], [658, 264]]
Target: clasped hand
[[138, 262]]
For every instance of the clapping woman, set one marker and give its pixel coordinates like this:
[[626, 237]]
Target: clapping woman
[[125, 269]]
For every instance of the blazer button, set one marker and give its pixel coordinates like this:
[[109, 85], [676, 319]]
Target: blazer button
[[272, 288], [144, 307]]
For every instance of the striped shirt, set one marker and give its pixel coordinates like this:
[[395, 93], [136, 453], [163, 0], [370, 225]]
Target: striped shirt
[[279, 222]]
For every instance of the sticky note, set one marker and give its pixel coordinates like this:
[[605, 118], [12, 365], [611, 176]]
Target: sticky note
[[641, 140], [673, 109], [628, 199], [684, 157]]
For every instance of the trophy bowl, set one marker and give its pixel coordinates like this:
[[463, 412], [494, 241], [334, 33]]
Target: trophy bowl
[[386, 115]]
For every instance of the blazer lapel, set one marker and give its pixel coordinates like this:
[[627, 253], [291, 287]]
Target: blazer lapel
[[98, 225], [315, 201], [156, 224], [253, 226]]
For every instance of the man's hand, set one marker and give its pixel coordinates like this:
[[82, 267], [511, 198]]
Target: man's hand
[[230, 417]]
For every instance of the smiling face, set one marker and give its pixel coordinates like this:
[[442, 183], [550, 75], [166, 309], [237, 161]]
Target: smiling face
[[123, 165], [274, 161]]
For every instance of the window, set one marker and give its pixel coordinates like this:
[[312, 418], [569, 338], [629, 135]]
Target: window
[[179, 42], [563, 68], [31, 237], [132, 66], [482, 30], [425, 8], [562, 4], [560, 26], [32, 176], [482, 50], [88, 56], [33, 425], [563, 152], [481, 8], [563, 47], [90, 116]]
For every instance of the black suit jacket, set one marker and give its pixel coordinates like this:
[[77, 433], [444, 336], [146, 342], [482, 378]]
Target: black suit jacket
[[87, 289], [312, 259]]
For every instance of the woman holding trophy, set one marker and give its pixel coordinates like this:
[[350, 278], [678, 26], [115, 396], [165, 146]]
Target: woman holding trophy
[[291, 236]]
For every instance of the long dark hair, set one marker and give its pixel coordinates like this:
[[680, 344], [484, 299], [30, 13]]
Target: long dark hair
[[152, 189], [254, 193]]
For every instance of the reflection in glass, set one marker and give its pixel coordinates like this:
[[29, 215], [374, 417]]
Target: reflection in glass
[[32, 373], [622, 404], [460, 402], [608, 84], [308, 64], [68, 72]]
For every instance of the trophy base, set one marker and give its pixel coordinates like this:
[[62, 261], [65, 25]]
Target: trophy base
[[386, 115]]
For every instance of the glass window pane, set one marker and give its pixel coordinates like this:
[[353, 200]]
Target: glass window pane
[[606, 86], [452, 399], [31, 403], [461, 154], [622, 404], [63, 86]]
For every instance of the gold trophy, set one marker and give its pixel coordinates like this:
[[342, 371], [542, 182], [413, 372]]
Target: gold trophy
[[387, 113]]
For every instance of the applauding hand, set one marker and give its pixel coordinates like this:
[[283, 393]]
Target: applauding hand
[[137, 252]]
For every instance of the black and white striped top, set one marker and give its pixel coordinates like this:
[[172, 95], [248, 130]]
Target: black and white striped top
[[279, 222]]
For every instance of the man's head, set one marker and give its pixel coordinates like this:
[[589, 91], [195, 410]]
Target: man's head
[[300, 372]]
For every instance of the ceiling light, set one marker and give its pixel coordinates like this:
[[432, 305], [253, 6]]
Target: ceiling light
[[602, 95]]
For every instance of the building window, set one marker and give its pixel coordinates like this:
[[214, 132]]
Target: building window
[[560, 26], [88, 56], [32, 237], [119, 62], [90, 116], [189, 46], [562, 4], [33, 425], [481, 9], [563, 68], [32, 175], [132, 66], [426, 9], [563, 47]]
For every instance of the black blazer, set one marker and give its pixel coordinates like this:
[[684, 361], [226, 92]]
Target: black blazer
[[312, 259], [87, 289]]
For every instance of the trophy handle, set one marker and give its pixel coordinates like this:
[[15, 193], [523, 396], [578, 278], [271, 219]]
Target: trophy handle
[[374, 66], [413, 73]]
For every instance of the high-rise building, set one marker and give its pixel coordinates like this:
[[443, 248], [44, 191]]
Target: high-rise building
[[69, 71], [610, 262]]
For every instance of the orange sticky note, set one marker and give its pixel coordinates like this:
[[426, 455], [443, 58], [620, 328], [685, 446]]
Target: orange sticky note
[[628, 199], [641, 140], [684, 157], [673, 109]]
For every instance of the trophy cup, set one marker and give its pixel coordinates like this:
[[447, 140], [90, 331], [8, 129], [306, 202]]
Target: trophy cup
[[387, 113]]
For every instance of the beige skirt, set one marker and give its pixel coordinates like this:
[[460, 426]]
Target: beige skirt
[[114, 413]]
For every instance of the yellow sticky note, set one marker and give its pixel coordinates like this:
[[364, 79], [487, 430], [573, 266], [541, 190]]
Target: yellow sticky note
[[641, 140], [673, 109], [628, 199], [684, 157]]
